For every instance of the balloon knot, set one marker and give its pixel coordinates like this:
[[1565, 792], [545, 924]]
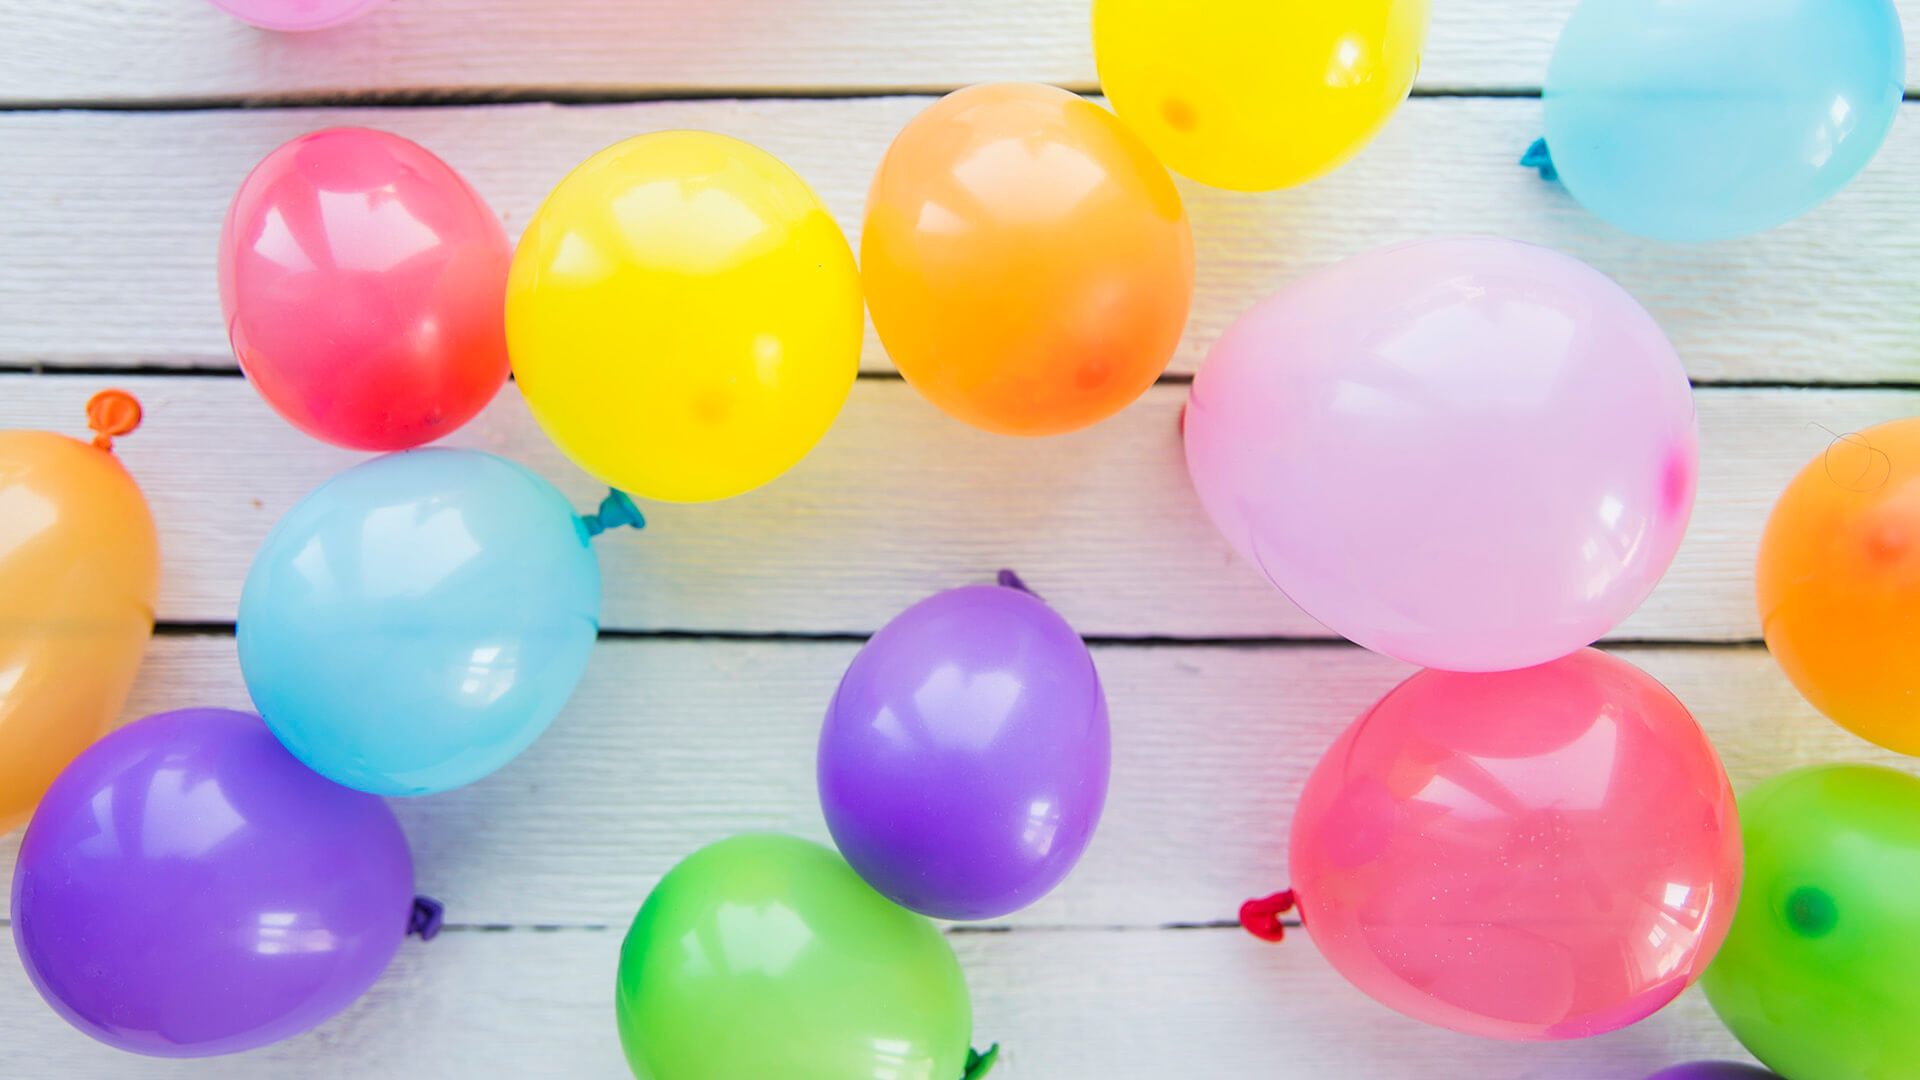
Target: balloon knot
[[1261, 916], [979, 1064], [616, 509], [110, 413], [1007, 579], [426, 918], [1539, 157]]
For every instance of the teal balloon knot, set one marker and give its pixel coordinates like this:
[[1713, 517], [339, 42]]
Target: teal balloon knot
[[979, 1064], [616, 509], [1539, 157]]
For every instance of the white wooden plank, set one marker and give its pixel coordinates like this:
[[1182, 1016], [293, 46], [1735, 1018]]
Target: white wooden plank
[[113, 220], [669, 745], [898, 502], [134, 50], [1063, 1005]]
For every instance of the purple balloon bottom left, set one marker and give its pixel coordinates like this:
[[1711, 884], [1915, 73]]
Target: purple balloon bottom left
[[188, 888]]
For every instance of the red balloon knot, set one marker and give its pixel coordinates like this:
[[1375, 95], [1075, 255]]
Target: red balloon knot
[[1261, 916]]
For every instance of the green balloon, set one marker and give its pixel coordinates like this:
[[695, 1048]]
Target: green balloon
[[767, 956], [1820, 974]]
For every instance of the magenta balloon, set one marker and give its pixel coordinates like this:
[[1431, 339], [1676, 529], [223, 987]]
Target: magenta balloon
[[295, 14], [188, 888], [963, 762], [1469, 454], [1540, 854]]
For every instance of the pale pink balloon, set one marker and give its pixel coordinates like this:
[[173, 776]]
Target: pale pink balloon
[[1468, 453], [1548, 853], [294, 14]]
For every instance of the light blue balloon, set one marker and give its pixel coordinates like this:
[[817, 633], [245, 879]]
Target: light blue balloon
[[420, 619], [1691, 120]]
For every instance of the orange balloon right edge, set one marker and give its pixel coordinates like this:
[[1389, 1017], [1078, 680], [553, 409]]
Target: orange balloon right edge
[[1837, 583]]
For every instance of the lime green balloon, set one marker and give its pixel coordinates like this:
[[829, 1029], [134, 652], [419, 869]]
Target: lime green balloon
[[1820, 975], [767, 956]]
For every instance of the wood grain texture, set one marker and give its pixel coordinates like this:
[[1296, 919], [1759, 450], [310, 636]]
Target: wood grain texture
[[142, 50], [113, 219], [898, 502], [669, 745], [1073, 1005]]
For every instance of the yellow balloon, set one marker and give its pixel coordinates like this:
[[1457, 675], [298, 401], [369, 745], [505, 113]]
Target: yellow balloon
[[79, 567], [684, 316], [1254, 95]]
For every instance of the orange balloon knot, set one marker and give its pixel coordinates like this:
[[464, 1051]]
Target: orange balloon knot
[[426, 918], [616, 509], [1007, 579], [110, 413], [1261, 917]]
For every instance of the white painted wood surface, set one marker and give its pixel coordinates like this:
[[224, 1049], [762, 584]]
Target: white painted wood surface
[[106, 255], [141, 50], [112, 221]]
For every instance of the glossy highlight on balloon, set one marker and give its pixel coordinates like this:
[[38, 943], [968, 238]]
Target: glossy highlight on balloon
[[417, 621], [1838, 583], [964, 759], [684, 316], [1711, 119], [295, 14], [1549, 853], [187, 888], [363, 283], [1254, 95], [1027, 262], [765, 955], [79, 577], [1816, 978], [1466, 453]]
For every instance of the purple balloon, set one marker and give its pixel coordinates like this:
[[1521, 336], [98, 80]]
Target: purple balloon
[[188, 888], [963, 762], [1713, 1070]]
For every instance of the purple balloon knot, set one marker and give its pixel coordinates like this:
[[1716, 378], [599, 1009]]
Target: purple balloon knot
[[426, 918], [1010, 580], [979, 1064], [616, 509], [1539, 157]]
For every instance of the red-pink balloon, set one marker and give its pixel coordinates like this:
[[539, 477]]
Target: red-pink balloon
[[294, 14], [1547, 853], [364, 286]]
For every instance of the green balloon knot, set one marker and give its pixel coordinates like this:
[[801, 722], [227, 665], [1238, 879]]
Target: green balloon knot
[[1811, 912], [979, 1064]]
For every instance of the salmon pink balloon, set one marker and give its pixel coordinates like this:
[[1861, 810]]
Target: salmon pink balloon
[[364, 285], [1549, 853], [1470, 454], [294, 14]]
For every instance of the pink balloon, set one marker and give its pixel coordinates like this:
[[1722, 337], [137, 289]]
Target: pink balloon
[[294, 14], [1470, 454], [364, 285], [1548, 853]]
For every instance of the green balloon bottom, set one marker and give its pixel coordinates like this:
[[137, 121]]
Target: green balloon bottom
[[766, 956], [1820, 975]]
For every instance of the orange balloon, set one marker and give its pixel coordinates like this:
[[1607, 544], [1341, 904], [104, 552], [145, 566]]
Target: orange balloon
[[79, 567], [1027, 261], [1839, 583]]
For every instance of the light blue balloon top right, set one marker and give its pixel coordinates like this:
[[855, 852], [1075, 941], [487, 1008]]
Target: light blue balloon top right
[[1692, 120]]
